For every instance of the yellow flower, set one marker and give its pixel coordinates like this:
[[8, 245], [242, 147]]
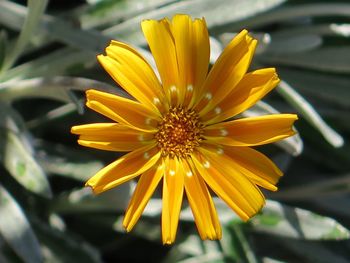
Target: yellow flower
[[179, 129]]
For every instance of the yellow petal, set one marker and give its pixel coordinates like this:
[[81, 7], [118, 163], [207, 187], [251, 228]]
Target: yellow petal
[[192, 51], [160, 40], [181, 28], [111, 137], [173, 186], [251, 131], [249, 90], [132, 72], [143, 192], [255, 165], [124, 169], [200, 57], [227, 72], [230, 185], [125, 111], [202, 205]]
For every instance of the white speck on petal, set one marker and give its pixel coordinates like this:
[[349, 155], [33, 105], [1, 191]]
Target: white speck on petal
[[223, 132], [220, 151], [217, 110], [148, 121], [172, 172], [206, 164], [173, 88], [208, 96], [156, 101], [189, 173], [190, 88], [146, 155]]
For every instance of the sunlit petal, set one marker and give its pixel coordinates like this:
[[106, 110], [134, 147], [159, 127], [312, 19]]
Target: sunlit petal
[[249, 90], [143, 192], [112, 137], [128, 112], [254, 165], [251, 131], [227, 71], [192, 51], [124, 169], [173, 188], [128, 68], [164, 53], [201, 203], [230, 185]]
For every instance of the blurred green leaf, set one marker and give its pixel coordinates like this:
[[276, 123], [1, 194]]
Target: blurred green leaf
[[332, 89], [327, 59], [63, 247], [55, 63], [271, 260], [309, 113], [282, 220], [217, 14], [289, 45], [333, 29], [83, 200], [226, 215], [68, 162], [341, 208], [106, 12], [249, 253], [313, 252], [56, 88], [3, 47], [17, 156], [293, 12], [332, 186], [193, 250], [35, 10], [15, 229]]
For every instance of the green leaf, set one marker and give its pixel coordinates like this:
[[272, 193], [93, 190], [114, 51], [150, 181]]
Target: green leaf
[[111, 12], [329, 88], [56, 88], [290, 45], [332, 186], [193, 249], [68, 162], [3, 47], [17, 156], [286, 221], [309, 113], [83, 200], [63, 247], [15, 229], [295, 12], [327, 59], [35, 10], [217, 14], [313, 252]]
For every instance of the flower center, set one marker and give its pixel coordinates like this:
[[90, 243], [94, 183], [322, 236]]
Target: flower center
[[179, 132]]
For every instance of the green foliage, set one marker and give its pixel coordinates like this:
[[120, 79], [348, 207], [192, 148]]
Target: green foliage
[[47, 61]]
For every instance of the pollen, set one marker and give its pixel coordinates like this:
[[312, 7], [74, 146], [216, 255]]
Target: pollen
[[179, 132]]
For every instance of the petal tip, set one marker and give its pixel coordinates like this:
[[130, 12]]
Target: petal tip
[[74, 129], [93, 190]]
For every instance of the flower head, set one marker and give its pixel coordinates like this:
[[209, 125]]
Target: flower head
[[182, 128]]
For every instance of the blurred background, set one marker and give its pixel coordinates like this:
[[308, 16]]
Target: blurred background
[[48, 59]]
